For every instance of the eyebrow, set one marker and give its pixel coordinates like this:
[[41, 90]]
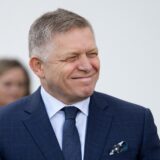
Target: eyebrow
[[93, 50], [77, 52]]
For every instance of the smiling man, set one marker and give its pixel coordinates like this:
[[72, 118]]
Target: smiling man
[[65, 119], [70, 70]]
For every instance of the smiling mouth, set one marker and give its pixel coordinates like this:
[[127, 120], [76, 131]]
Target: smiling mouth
[[88, 77]]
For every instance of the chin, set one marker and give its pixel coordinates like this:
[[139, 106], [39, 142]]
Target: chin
[[87, 93]]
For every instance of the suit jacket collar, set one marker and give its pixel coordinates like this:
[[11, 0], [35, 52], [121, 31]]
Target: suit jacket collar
[[39, 127], [98, 126]]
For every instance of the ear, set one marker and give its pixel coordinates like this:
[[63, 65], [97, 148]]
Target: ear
[[37, 66]]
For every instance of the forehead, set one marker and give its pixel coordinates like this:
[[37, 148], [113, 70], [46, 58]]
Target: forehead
[[77, 38], [14, 73]]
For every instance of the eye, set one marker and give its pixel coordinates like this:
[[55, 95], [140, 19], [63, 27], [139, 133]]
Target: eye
[[92, 54], [21, 84], [7, 84], [70, 59]]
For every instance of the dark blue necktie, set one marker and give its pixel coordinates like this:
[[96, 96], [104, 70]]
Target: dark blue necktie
[[71, 146]]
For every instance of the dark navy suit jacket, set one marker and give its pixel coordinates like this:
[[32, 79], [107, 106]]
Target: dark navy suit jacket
[[26, 132]]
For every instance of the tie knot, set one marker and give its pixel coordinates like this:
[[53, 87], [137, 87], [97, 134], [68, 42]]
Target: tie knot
[[70, 112]]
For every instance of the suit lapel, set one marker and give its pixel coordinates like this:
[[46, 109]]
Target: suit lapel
[[98, 126], [38, 125]]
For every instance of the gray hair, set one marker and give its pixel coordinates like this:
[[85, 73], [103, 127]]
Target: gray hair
[[42, 31]]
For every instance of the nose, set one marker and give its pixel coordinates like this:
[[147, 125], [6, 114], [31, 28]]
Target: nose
[[84, 64]]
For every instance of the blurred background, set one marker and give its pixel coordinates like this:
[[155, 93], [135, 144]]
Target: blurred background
[[127, 34]]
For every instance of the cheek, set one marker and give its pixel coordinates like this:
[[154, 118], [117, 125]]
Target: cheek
[[22, 91], [59, 75], [54, 76], [1, 94], [3, 90], [66, 71], [4, 97], [96, 64]]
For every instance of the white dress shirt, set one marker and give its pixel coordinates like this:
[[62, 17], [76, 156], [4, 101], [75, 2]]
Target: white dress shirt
[[57, 117]]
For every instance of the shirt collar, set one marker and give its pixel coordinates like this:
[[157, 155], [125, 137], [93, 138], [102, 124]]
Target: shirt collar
[[53, 105]]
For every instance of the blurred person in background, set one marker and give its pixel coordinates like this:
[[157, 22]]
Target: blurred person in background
[[14, 81]]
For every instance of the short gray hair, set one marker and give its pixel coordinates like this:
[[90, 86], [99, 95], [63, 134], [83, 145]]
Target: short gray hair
[[43, 29]]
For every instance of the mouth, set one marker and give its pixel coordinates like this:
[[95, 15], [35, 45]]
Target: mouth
[[84, 78]]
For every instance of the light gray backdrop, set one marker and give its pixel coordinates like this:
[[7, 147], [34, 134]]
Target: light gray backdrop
[[128, 38]]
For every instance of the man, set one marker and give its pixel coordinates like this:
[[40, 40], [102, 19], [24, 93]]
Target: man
[[64, 55]]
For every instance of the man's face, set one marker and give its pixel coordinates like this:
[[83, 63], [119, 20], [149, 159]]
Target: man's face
[[71, 70]]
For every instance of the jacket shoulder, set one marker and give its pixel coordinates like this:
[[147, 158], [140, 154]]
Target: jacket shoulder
[[119, 106]]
